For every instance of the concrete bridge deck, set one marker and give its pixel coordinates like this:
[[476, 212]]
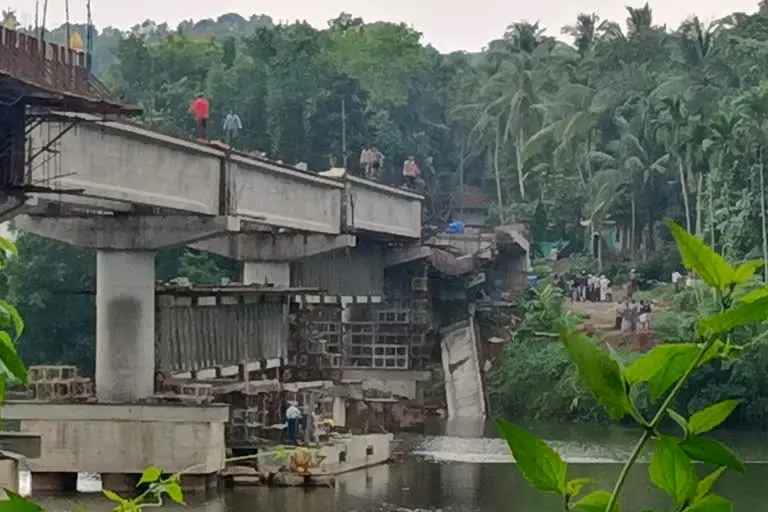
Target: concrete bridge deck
[[121, 167]]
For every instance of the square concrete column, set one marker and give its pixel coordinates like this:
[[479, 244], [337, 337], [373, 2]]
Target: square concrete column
[[125, 325], [269, 272]]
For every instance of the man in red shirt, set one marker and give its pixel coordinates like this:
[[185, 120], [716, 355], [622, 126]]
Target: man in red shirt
[[200, 109]]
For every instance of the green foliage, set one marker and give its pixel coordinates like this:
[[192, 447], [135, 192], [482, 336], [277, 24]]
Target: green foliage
[[710, 418], [665, 370], [740, 315], [712, 452], [672, 471], [600, 373], [543, 313], [711, 503], [702, 259], [16, 503], [707, 483], [663, 366], [539, 464], [537, 381], [595, 502], [157, 489]]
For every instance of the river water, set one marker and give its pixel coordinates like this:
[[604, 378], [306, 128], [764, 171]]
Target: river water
[[463, 467]]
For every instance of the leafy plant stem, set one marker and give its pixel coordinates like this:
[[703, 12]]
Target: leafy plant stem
[[654, 424]]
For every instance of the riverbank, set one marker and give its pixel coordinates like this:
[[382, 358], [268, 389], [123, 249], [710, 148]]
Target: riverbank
[[534, 379]]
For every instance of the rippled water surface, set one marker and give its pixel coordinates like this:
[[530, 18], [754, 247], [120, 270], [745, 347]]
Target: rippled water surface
[[462, 467]]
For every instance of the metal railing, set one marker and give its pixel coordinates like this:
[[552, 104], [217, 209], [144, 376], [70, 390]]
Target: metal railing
[[47, 65]]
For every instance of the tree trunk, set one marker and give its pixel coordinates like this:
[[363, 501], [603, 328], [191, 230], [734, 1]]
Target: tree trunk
[[496, 171], [762, 214], [684, 191], [520, 170], [711, 214], [633, 234], [461, 181], [699, 207]]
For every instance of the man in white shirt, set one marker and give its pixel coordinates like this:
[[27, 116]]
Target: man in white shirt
[[604, 284], [232, 126], [677, 279], [292, 416]]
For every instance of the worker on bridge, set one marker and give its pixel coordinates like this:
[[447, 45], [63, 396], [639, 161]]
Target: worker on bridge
[[200, 110]]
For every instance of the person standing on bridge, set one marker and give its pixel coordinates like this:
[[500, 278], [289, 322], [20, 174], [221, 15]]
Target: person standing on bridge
[[200, 110], [232, 126], [411, 172]]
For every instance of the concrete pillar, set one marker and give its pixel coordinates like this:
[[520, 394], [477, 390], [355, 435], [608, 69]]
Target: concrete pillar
[[125, 325], [270, 272], [9, 475]]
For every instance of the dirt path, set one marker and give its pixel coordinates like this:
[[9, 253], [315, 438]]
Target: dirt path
[[601, 322]]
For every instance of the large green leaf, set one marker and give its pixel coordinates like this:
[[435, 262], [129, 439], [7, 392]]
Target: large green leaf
[[15, 503], [712, 452], [595, 502], [600, 373], [538, 463], [662, 367], [151, 475], [175, 492], [746, 270], [672, 471], [711, 417], [13, 316], [10, 358], [8, 246], [708, 482], [741, 314], [711, 503], [755, 295], [700, 258]]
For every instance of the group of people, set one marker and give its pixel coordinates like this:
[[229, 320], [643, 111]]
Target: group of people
[[590, 288], [634, 316], [372, 164], [297, 419], [200, 109], [371, 161]]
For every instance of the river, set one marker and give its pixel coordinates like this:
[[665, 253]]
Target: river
[[462, 467]]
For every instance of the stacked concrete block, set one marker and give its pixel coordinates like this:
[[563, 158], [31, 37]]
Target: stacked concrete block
[[58, 383], [197, 392]]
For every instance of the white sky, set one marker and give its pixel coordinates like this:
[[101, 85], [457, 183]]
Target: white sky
[[447, 24]]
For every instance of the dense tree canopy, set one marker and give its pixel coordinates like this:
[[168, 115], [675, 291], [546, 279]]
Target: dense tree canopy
[[618, 123]]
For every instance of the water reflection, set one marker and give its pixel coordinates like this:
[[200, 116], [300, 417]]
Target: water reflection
[[465, 470]]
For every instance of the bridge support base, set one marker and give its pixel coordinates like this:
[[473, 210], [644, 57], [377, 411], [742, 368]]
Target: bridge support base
[[125, 325]]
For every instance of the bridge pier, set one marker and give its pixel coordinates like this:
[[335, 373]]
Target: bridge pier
[[125, 288], [125, 325]]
